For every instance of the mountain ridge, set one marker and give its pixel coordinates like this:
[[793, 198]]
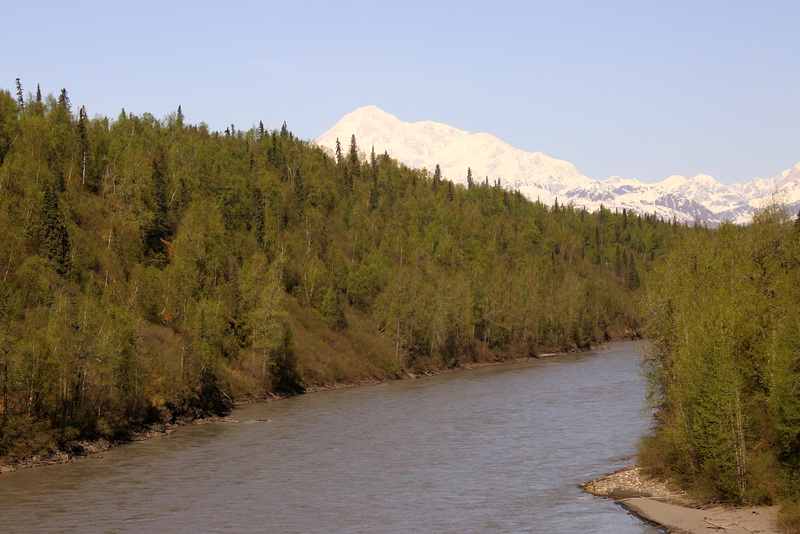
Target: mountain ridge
[[425, 144]]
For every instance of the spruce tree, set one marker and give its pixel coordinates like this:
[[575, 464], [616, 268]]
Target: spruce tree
[[373, 192], [275, 155], [339, 157], [83, 143], [633, 274], [63, 101], [158, 232], [258, 221], [20, 100], [54, 238], [353, 163]]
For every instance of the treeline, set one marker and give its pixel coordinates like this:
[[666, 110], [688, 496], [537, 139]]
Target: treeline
[[151, 269], [724, 362]]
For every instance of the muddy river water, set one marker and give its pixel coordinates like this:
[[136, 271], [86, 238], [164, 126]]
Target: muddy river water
[[496, 449]]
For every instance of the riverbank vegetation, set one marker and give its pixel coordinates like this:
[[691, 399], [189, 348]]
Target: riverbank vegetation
[[723, 362], [153, 269]]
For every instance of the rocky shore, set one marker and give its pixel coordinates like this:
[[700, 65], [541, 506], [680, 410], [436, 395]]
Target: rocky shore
[[665, 506]]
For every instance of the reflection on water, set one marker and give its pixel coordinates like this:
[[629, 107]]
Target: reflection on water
[[498, 449]]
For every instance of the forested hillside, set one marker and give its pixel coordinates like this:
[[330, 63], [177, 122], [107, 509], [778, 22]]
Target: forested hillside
[[151, 269], [724, 368]]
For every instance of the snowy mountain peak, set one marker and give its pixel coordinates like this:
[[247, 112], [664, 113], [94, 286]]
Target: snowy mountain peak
[[673, 182], [427, 143], [539, 177], [704, 180], [370, 112]]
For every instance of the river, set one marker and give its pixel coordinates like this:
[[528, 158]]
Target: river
[[495, 449]]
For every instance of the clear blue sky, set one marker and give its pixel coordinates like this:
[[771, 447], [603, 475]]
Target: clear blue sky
[[639, 89]]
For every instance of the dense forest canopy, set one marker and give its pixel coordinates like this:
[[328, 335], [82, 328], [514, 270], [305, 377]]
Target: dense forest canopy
[[151, 269], [724, 361]]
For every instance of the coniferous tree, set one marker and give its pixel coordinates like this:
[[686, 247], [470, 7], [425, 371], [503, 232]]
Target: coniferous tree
[[353, 164], [54, 238], [470, 183], [275, 155], [38, 94], [373, 171], [633, 274], [63, 101], [258, 223], [158, 233], [20, 100], [83, 144], [339, 157]]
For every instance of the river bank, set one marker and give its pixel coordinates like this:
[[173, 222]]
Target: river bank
[[94, 448], [663, 505]]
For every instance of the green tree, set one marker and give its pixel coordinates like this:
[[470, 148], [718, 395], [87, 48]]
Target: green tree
[[83, 144], [20, 99], [54, 238], [158, 232], [332, 309], [261, 290], [64, 102]]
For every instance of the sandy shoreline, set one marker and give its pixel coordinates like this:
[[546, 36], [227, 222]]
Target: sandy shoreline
[[670, 508]]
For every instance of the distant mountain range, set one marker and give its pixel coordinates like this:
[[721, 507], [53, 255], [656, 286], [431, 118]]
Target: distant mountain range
[[426, 144]]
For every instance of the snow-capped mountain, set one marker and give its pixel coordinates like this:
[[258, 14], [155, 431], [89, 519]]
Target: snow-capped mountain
[[426, 144]]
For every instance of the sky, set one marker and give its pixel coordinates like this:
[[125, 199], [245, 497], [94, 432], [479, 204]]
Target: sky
[[638, 89]]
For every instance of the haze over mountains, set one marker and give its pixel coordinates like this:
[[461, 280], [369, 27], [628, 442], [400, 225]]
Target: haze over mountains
[[538, 176]]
